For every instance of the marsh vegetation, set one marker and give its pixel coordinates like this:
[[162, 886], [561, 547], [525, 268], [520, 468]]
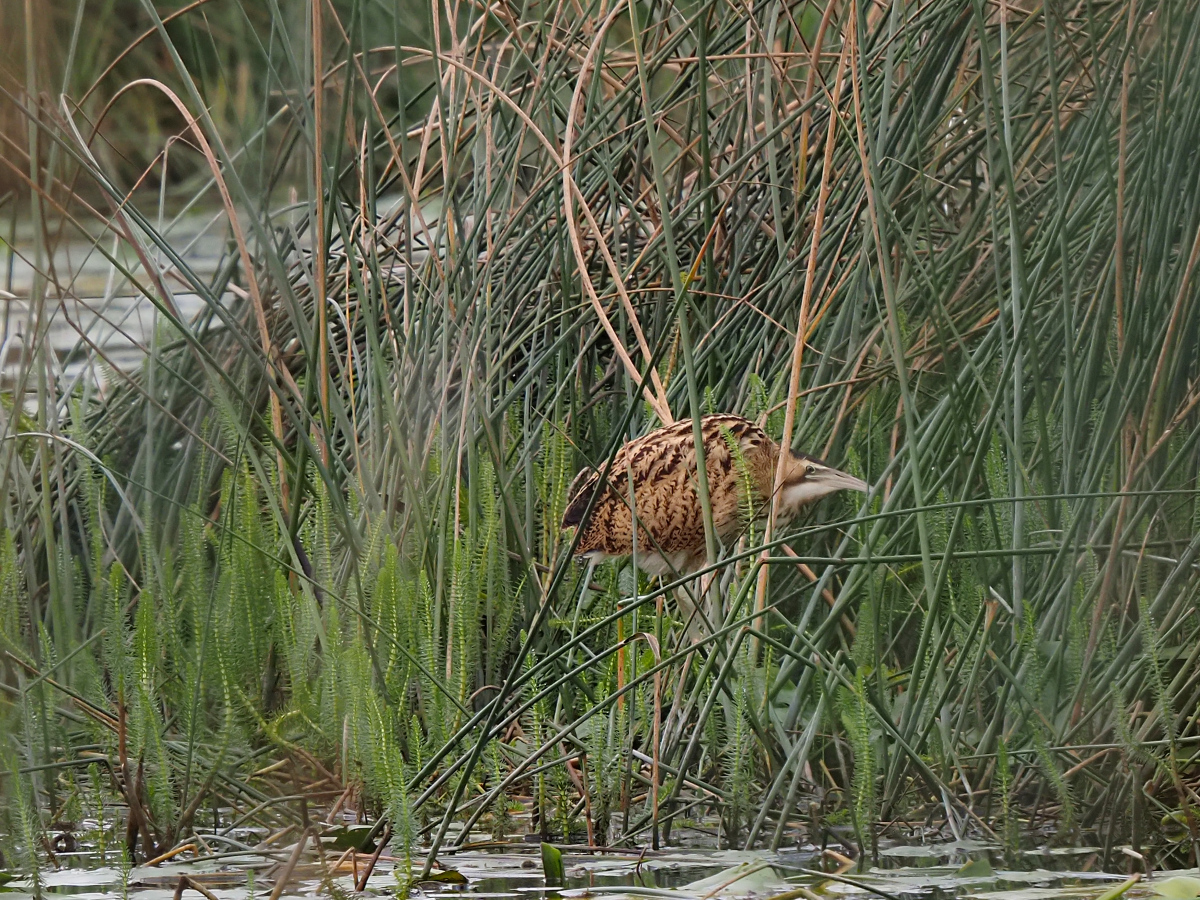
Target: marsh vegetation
[[302, 558]]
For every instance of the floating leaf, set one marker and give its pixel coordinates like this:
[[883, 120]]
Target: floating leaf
[[552, 864], [1033, 893], [1181, 887], [751, 877], [356, 836], [450, 876], [977, 868], [800, 893]]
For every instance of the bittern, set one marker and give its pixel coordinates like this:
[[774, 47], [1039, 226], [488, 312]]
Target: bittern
[[740, 460]]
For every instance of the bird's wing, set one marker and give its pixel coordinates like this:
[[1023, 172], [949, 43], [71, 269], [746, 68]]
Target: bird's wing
[[609, 527], [579, 494], [662, 465], [635, 455]]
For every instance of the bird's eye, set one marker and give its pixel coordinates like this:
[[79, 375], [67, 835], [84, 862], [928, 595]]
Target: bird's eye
[[810, 470]]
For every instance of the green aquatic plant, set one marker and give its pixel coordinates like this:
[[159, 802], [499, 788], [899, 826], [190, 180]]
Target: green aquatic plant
[[457, 256]]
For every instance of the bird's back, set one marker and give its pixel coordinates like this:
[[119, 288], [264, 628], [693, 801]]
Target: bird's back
[[739, 460]]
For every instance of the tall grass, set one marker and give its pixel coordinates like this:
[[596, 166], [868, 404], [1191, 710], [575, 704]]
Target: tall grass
[[951, 247]]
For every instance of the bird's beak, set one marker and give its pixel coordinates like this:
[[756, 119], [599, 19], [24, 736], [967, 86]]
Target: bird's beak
[[843, 481]]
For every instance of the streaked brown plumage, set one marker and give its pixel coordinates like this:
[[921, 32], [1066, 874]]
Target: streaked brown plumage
[[740, 460]]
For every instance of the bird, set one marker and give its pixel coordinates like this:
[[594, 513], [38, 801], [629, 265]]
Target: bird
[[740, 460]]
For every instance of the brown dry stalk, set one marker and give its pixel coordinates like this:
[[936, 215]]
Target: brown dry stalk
[[186, 882], [135, 44], [275, 372], [410, 184], [657, 399], [289, 867], [809, 85], [360, 883], [318, 52], [810, 275]]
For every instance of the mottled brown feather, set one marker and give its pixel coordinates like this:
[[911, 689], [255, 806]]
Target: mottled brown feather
[[663, 467]]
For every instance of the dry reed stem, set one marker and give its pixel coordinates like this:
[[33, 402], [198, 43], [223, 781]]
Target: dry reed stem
[[186, 881], [281, 882], [276, 373], [175, 14], [789, 415], [657, 399], [170, 854], [410, 185], [318, 226]]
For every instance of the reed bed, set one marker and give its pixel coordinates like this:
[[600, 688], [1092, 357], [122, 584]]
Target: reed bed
[[470, 248]]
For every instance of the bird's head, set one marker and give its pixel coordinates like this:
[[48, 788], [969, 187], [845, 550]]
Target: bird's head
[[807, 480]]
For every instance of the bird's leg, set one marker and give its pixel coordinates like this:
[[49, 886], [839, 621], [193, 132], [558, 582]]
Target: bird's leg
[[683, 602], [710, 598], [690, 614], [696, 623]]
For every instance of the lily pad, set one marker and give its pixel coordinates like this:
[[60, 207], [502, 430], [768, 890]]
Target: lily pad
[[751, 877], [82, 878], [1180, 887], [356, 836], [1033, 893], [450, 876], [977, 868]]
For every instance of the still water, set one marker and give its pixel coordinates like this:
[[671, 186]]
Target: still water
[[513, 871], [95, 320]]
